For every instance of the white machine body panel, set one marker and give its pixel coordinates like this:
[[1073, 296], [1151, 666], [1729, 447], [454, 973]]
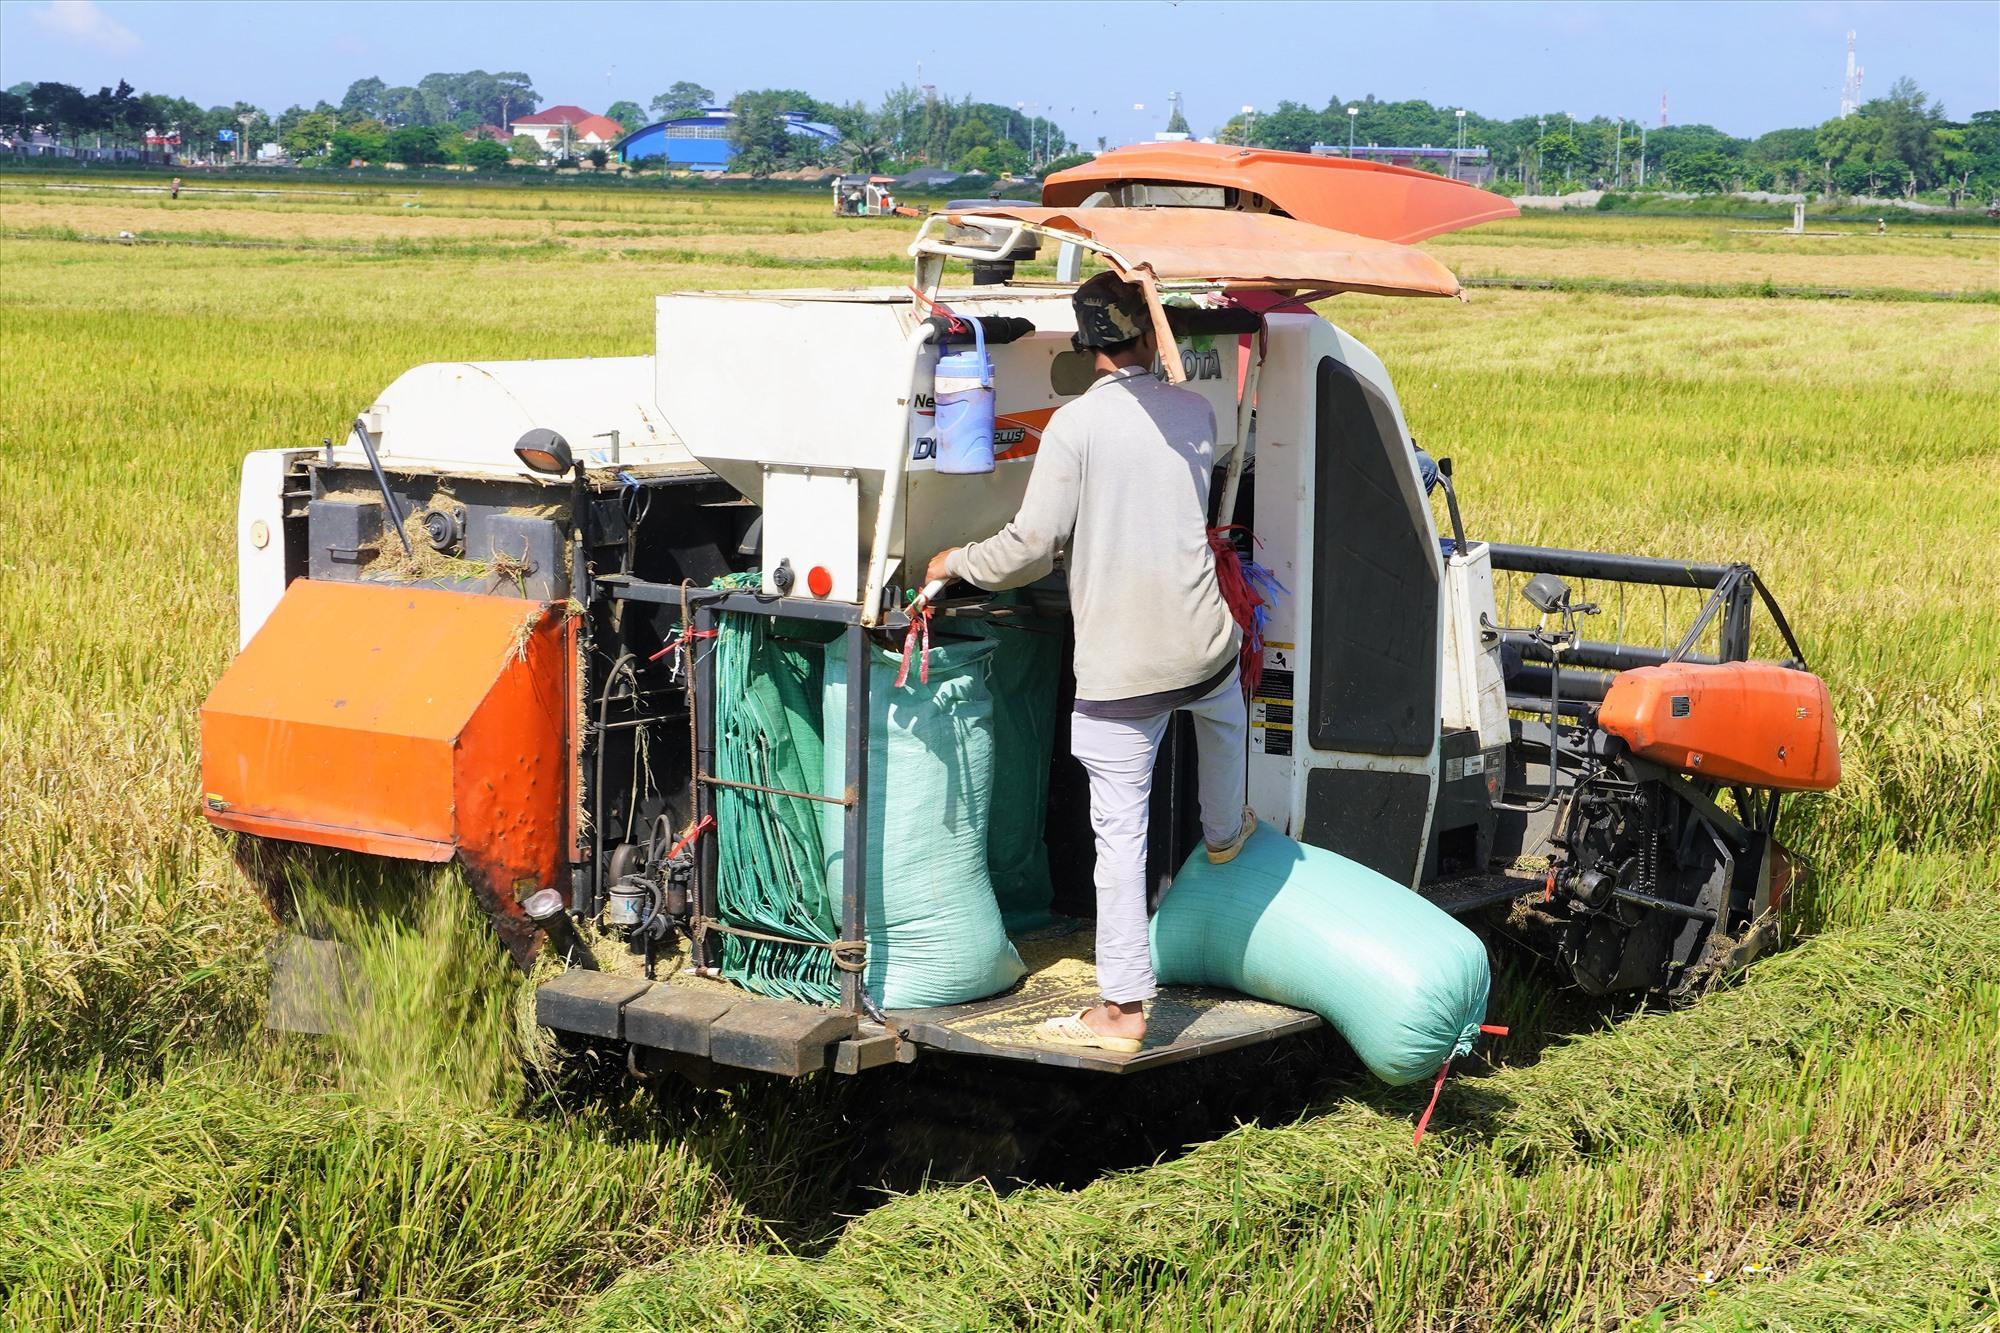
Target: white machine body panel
[[842, 384], [1474, 688], [464, 417], [260, 537], [812, 520], [1282, 757]]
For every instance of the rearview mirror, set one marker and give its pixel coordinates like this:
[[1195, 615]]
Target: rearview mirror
[[1546, 593]]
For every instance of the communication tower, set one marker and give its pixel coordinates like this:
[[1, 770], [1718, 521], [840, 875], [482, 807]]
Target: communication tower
[[1850, 90]]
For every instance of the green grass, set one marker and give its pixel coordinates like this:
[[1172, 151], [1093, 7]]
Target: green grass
[[164, 1164], [1756, 1128]]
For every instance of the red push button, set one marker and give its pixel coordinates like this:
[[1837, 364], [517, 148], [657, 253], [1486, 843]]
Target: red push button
[[819, 579]]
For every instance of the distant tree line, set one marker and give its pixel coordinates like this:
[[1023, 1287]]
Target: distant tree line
[[910, 127], [430, 121], [374, 122], [1902, 143]]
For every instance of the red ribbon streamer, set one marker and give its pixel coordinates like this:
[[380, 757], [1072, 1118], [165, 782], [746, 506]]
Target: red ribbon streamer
[[1242, 601], [920, 625]]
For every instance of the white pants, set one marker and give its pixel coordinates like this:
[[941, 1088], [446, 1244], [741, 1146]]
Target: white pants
[[1118, 755]]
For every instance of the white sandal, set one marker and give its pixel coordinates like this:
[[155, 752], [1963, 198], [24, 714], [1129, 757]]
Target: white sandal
[[1071, 1030]]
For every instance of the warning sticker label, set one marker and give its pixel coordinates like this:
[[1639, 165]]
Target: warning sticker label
[[1271, 706]]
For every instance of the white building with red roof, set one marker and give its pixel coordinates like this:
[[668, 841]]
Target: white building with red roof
[[557, 127]]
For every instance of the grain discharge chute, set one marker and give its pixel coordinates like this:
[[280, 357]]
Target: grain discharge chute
[[489, 624]]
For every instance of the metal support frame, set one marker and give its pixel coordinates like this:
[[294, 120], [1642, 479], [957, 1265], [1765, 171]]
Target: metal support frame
[[627, 589], [1604, 565], [1597, 654], [704, 604], [702, 891], [1733, 590], [854, 825]]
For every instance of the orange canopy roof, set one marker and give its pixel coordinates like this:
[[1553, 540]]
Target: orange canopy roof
[[1373, 199], [1257, 249]]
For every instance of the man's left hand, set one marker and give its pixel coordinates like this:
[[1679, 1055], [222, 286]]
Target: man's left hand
[[936, 571]]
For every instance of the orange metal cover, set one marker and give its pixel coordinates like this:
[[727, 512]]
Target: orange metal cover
[[1755, 723], [1388, 203], [1214, 245], [404, 722]]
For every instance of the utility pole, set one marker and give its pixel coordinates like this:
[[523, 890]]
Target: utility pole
[[1642, 153], [1541, 133], [1617, 151], [1249, 122], [1458, 153], [1352, 112]]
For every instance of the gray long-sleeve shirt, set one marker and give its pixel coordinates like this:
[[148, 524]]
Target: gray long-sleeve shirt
[[1121, 482]]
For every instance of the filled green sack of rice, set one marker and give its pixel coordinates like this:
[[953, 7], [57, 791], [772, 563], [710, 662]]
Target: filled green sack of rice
[[934, 930], [1024, 675], [1402, 981]]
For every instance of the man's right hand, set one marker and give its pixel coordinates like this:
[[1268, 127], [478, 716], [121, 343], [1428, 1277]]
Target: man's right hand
[[935, 571]]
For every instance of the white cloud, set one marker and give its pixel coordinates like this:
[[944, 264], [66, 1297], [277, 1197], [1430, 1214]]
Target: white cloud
[[82, 22]]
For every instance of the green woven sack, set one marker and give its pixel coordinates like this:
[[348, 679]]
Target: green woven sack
[[934, 931], [1403, 982], [1024, 677]]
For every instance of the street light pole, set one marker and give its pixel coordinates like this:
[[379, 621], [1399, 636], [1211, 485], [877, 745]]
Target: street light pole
[[1458, 153], [1352, 112], [1642, 152], [1541, 133], [1617, 151]]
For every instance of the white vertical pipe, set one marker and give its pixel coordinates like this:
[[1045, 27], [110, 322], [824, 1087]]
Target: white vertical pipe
[[1234, 477]]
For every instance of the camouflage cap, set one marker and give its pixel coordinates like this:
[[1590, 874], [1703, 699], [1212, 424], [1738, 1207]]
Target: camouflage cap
[[1109, 311]]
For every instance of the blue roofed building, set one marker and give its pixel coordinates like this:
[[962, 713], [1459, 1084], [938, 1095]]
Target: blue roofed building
[[700, 142]]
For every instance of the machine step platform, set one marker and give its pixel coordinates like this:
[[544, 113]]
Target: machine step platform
[[703, 1019], [1468, 893]]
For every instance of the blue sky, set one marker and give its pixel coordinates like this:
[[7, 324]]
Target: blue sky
[[1743, 67]]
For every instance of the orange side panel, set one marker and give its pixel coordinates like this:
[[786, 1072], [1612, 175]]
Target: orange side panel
[[405, 722], [1376, 199], [1755, 723]]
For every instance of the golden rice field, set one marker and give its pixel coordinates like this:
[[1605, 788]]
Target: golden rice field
[[1816, 1146]]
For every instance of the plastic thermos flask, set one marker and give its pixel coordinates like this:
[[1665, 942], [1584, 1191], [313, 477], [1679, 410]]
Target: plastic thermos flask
[[964, 393]]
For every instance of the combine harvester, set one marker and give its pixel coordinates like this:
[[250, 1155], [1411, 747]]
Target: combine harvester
[[869, 197], [484, 628]]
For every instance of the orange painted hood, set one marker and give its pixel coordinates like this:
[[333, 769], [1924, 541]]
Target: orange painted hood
[[1373, 199], [401, 721], [1257, 249]]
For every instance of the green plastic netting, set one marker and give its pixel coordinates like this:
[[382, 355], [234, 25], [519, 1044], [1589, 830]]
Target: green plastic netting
[[946, 840], [769, 676]]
